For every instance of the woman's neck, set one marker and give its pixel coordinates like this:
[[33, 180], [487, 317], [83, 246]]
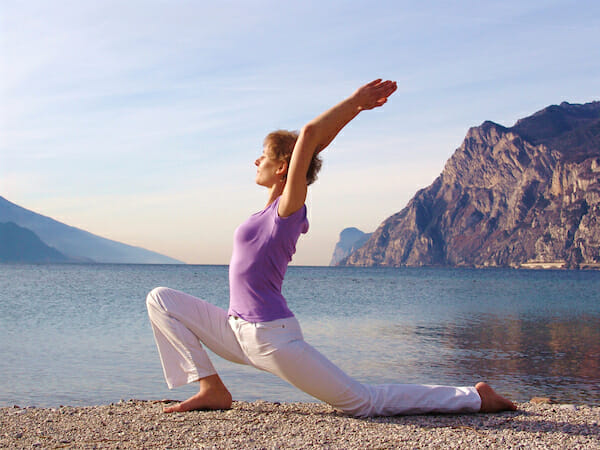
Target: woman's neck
[[275, 191]]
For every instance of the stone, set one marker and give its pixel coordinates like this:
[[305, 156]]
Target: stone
[[542, 400]]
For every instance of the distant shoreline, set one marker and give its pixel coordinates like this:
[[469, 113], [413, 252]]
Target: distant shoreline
[[259, 424], [531, 265]]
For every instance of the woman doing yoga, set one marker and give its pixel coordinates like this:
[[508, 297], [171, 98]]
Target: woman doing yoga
[[259, 329]]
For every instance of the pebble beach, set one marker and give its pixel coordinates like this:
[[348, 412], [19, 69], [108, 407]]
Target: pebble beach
[[267, 425]]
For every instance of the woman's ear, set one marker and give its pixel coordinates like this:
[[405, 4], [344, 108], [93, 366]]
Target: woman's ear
[[282, 169]]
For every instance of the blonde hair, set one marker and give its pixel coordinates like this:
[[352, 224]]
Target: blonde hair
[[281, 144]]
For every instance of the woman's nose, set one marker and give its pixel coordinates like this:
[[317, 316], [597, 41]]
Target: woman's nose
[[257, 162]]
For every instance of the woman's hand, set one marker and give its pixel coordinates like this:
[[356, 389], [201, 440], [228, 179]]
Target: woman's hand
[[374, 94]]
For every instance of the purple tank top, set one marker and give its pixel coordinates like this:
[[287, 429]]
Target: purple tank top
[[262, 248]]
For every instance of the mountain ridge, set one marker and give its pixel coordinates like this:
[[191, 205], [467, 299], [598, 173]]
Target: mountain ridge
[[78, 244], [521, 196]]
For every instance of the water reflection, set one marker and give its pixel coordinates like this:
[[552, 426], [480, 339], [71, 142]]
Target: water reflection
[[523, 358], [548, 358]]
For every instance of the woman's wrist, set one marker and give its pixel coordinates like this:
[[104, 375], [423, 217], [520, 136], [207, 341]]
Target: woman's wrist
[[354, 102]]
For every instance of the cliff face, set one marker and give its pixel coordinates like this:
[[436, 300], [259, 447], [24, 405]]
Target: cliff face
[[526, 196], [350, 240]]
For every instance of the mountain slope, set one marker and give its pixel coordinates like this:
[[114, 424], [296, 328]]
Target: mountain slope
[[76, 243], [524, 196], [19, 244]]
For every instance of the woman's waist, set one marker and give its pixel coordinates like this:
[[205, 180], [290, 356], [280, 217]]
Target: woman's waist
[[252, 309]]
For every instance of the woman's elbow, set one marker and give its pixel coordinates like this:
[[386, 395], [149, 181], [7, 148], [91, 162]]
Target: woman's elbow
[[309, 131], [310, 137]]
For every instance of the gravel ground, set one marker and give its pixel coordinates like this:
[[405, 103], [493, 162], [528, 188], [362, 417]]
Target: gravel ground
[[141, 424]]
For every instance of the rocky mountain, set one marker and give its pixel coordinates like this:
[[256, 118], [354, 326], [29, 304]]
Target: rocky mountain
[[76, 244], [524, 196], [20, 245], [351, 239]]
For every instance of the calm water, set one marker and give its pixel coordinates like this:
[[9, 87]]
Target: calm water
[[79, 334]]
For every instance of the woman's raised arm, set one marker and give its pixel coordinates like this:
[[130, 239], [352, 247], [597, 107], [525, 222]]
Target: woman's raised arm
[[317, 134]]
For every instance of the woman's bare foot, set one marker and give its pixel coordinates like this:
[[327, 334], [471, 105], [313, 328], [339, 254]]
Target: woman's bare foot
[[212, 395], [491, 401]]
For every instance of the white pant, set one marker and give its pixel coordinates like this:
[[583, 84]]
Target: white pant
[[182, 322]]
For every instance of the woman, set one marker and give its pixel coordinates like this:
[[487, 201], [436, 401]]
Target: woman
[[259, 329]]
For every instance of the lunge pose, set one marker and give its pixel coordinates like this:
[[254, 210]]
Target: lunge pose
[[259, 329]]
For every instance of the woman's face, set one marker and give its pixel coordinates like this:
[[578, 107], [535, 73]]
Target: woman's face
[[269, 170]]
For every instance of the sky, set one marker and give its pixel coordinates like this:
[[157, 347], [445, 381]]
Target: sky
[[140, 121]]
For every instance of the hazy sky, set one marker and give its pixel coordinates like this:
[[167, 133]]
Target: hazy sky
[[140, 120]]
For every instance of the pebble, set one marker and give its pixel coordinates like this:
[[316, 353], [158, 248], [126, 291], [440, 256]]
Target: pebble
[[295, 425], [542, 400], [569, 407]]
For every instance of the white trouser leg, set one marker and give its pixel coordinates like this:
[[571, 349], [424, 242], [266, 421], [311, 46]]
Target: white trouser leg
[[180, 323], [278, 347]]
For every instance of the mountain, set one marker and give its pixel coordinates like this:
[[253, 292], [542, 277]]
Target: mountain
[[19, 244], [524, 196], [77, 244], [351, 239]]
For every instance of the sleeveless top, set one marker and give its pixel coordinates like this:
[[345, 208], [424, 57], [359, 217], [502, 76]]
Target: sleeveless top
[[263, 246]]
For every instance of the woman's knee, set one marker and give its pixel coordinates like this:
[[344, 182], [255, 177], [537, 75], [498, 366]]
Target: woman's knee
[[169, 301], [154, 299]]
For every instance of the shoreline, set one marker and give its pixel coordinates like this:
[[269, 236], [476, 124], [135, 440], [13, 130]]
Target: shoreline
[[261, 424]]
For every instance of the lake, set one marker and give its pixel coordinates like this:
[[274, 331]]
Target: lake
[[78, 334]]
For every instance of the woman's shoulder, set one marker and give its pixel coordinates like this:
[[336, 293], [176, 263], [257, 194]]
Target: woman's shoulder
[[298, 220], [290, 214]]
